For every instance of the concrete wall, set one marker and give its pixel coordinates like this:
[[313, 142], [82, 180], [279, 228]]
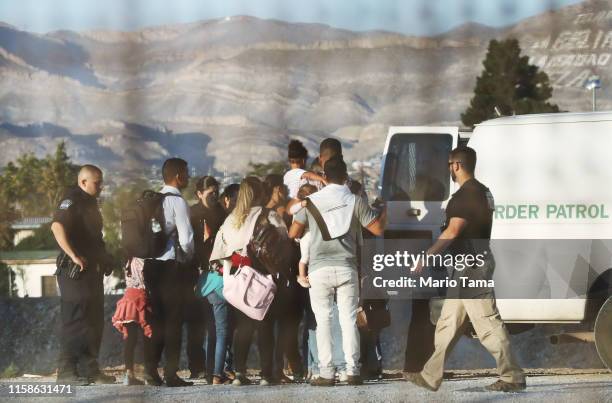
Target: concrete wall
[[28, 338]]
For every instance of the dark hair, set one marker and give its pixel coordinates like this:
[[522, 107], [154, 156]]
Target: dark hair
[[270, 182], [315, 166], [206, 182], [173, 167], [273, 180], [335, 170], [230, 191], [467, 157], [306, 190], [331, 147], [297, 151]]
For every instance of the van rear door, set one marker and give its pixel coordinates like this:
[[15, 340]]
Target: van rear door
[[416, 183]]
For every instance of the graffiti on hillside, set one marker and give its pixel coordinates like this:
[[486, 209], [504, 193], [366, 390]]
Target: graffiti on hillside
[[573, 55]]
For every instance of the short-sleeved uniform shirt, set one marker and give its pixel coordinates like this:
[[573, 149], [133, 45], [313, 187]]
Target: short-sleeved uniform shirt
[[341, 251], [474, 203], [80, 216]]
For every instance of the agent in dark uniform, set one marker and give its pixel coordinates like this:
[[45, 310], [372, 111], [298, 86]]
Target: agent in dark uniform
[[77, 227], [469, 217]]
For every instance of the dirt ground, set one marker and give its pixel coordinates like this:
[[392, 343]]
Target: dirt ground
[[543, 385]]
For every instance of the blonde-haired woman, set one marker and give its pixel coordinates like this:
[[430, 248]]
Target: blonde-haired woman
[[229, 242]]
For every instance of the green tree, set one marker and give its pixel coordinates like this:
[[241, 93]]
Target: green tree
[[42, 239], [33, 186], [7, 216], [58, 173], [510, 83], [261, 170]]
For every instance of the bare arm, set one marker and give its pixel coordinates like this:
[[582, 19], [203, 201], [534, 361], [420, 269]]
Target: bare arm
[[455, 226], [292, 203], [313, 177], [59, 232], [377, 227], [296, 230]]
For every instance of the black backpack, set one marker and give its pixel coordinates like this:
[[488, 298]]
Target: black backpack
[[270, 248], [142, 226]]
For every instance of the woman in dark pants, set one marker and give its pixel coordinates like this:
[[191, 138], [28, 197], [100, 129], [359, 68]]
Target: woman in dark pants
[[228, 251], [290, 297]]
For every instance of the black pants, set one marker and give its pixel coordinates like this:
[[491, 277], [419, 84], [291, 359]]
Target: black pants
[[245, 327], [370, 353], [310, 323], [195, 313], [162, 280], [420, 342], [288, 309], [82, 322]]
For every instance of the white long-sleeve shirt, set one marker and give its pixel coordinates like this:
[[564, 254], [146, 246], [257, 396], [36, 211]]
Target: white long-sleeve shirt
[[176, 215]]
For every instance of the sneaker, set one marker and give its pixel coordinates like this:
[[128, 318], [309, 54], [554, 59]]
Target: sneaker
[[240, 380], [354, 380], [342, 376], [175, 382], [102, 379], [131, 381], [418, 380], [152, 379], [217, 380], [320, 381], [265, 382], [502, 386]]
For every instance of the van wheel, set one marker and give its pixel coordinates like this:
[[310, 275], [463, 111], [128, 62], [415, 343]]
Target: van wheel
[[603, 333]]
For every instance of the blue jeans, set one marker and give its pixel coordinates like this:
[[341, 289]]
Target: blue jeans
[[220, 330]]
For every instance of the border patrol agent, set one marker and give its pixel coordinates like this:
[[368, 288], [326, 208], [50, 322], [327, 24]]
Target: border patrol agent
[[469, 216], [77, 227]]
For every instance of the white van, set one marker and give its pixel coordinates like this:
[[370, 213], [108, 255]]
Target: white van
[[551, 177]]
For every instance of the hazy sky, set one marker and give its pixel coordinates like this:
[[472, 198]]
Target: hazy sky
[[419, 17]]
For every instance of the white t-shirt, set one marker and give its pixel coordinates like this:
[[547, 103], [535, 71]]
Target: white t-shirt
[[293, 180]]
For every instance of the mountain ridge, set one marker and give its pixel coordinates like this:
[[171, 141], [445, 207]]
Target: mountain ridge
[[231, 91]]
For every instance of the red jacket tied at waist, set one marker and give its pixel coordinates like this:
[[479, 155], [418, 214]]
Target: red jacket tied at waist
[[239, 260], [133, 307]]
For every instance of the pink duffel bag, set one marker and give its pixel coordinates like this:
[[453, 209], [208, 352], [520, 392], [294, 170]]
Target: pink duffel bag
[[249, 291]]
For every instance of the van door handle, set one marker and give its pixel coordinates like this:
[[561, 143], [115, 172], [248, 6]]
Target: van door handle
[[413, 212]]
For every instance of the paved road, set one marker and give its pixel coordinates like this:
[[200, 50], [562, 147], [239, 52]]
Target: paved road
[[466, 386]]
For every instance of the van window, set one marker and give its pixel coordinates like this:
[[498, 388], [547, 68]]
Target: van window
[[416, 167]]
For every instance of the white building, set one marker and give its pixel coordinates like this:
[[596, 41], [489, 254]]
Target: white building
[[33, 273]]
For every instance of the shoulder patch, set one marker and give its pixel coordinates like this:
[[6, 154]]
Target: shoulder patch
[[65, 204]]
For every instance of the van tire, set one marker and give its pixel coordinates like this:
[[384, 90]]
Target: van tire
[[603, 333]]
